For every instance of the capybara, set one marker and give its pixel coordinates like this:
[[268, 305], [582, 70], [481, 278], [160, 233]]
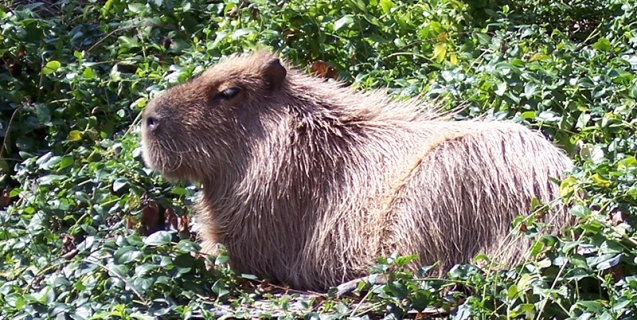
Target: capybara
[[307, 181]]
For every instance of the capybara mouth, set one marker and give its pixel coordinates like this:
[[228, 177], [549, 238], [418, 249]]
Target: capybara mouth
[[168, 152], [156, 157], [162, 151]]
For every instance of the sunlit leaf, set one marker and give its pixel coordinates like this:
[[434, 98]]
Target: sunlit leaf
[[440, 51], [158, 238], [344, 22], [51, 67], [74, 135]]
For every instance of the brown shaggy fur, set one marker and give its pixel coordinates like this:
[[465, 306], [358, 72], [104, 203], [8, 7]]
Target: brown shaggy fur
[[307, 181]]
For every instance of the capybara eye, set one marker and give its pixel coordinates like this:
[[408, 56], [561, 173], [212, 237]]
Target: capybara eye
[[228, 94]]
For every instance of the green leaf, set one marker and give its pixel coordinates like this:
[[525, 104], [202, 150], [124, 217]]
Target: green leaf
[[580, 211], [127, 42], [347, 21], [548, 116], [51, 67], [502, 88], [386, 5], [440, 51], [465, 271], [49, 179], [158, 238], [397, 289], [221, 259], [528, 115], [220, 288], [577, 274], [15, 300], [65, 162], [604, 183], [453, 59], [188, 246], [118, 270], [602, 44], [536, 249], [42, 113], [136, 7], [44, 296], [51, 163], [142, 270], [530, 90], [512, 293], [141, 316], [609, 262], [483, 39], [591, 306], [88, 73], [139, 103], [119, 183], [629, 162], [126, 254], [436, 26], [539, 57], [526, 309], [404, 260], [4, 166], [242, 32], [464, 312], [74, 135], [399, 42], [143, 283]]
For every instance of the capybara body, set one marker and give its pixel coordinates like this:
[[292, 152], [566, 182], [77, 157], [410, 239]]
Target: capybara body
[[307, 181]]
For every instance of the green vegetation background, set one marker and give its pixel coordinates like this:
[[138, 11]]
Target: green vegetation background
[[74, 77]]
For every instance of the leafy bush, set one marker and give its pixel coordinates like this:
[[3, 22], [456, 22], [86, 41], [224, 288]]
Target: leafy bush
[[78, 203]]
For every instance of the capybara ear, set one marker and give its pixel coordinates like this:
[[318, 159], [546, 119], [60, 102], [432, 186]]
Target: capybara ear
[[274, 73]]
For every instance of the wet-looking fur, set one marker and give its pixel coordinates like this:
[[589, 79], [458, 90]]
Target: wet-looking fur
[[307, 181]]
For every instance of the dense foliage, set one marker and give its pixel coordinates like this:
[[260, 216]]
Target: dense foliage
[[87, 231]]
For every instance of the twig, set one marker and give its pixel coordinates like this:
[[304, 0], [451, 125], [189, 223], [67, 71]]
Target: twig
[[117, 30], [6, 135]]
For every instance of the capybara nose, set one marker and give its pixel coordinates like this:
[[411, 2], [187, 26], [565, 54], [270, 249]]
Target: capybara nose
[[151, 122]]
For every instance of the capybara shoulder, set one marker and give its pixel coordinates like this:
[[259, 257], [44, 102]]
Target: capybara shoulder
[[307, 181]]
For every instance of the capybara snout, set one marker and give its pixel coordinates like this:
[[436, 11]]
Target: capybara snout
[[307, 181]]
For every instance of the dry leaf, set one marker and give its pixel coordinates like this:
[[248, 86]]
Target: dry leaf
[[617, 217], [15, 67], [171, 220], [150, 218], [523, 227], [617, 272], [6, 197], [320, 68]]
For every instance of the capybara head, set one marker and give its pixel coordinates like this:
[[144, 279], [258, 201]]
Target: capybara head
[[194, 128]]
